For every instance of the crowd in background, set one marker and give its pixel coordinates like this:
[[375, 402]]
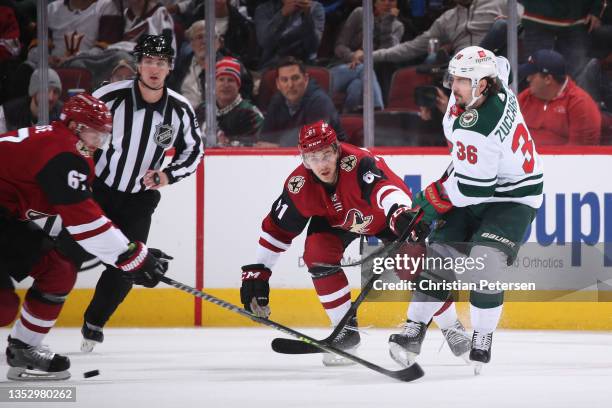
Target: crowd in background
[[285, 63]]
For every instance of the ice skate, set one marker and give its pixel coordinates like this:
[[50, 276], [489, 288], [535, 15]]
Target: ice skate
[[29, 363], [481, 350], [347, 340], [458, 340], [404, 347], [92, 335]]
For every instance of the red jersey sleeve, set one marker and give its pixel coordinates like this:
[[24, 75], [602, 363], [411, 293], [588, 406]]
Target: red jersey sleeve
[[64, 180]]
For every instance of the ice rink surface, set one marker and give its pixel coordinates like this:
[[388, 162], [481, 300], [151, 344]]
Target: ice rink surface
[[227, 368]]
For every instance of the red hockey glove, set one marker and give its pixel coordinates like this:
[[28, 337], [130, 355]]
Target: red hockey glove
[[255, 289], [143, 266], [433, 200]]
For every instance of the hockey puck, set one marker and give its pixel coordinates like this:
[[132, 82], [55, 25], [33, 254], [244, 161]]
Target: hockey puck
[[91, 373], [156, 179]]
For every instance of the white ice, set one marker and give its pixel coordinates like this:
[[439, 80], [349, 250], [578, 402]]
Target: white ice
[[226, 368]]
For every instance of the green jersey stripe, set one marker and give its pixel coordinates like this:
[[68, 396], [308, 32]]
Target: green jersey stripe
[[463, 176], [536, 177], [469, 190], [531, 190]]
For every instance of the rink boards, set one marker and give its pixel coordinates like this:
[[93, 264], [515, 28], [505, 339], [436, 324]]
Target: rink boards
[[210, 223]]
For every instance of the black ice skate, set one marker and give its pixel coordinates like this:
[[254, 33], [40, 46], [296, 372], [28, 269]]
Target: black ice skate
[[481, 350], [92, 335], [404, 347], [458, 340], [347, 340], [29, 363]]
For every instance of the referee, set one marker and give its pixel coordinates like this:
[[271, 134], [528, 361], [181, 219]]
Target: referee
[[148, 120]]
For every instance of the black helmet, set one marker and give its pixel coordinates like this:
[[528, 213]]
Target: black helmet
[[154, 46]]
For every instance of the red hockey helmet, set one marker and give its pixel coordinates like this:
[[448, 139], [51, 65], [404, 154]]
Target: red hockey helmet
[[86, 110], [316, 136]]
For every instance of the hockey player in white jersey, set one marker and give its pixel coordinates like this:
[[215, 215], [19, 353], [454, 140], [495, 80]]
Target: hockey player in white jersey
[[487, 202]]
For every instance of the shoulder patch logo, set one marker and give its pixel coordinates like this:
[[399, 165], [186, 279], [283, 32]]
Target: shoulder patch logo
[[369, 177], [164, 135], [348, 163], [295, 184], [468, 118]]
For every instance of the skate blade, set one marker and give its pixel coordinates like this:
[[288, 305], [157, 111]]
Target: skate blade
[[401, 356], [334, 360], [477, 367], [87, 345], [22, 374]]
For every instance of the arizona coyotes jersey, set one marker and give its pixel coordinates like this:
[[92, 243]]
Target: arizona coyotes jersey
[[42, 174], [359, 202], [493, 153]]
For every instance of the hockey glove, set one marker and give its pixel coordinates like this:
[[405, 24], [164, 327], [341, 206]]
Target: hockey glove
[[143, 266], [400, 218], [255, 290], [433, 201]]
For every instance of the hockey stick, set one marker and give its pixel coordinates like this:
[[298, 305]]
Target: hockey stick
[[290, 346], [407, 374]]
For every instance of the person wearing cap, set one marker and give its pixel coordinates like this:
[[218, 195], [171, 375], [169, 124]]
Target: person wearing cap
[[23, 112], [189, 79], [238, 120], [148, 120], [122, 71], [342, 192], [556, 110]]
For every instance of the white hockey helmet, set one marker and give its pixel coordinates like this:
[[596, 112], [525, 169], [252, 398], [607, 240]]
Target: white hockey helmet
[[474, 63]]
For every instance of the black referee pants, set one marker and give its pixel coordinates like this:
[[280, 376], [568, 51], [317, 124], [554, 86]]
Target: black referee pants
[[131, 213]]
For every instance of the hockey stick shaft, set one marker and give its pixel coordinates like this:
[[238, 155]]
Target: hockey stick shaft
[[408, 374], [288, 346]]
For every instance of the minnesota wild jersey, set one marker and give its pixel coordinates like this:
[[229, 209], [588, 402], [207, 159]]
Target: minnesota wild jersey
[[493, 153]]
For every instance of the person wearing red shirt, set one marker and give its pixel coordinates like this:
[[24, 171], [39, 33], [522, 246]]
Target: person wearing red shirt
[[46, 173], [556, 110], [342, 192]]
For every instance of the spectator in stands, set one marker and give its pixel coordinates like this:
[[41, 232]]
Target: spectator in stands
[[23, 112], [238, 120], [289, 28], [9, 32], [124, 70], [348, 77], [465, 24], [299, 101], [556, 110], [596, 78], [74, 26], [145, 17], [234, 29], [562, 25], [189, 75]]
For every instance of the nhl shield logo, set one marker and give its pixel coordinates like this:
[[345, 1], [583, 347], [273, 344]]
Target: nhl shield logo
[[164, 135], [468, 118]]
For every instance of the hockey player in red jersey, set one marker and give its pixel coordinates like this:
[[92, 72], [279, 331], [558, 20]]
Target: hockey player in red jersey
[[46, 171], [344, 191]]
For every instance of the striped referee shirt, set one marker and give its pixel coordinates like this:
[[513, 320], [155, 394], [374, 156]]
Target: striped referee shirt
[[142, 133]]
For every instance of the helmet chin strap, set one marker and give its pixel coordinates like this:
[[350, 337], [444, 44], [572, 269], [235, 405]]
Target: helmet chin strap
[[474, 97]]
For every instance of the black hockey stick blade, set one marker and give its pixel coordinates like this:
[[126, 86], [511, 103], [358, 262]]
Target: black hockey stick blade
[[407, 374]]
